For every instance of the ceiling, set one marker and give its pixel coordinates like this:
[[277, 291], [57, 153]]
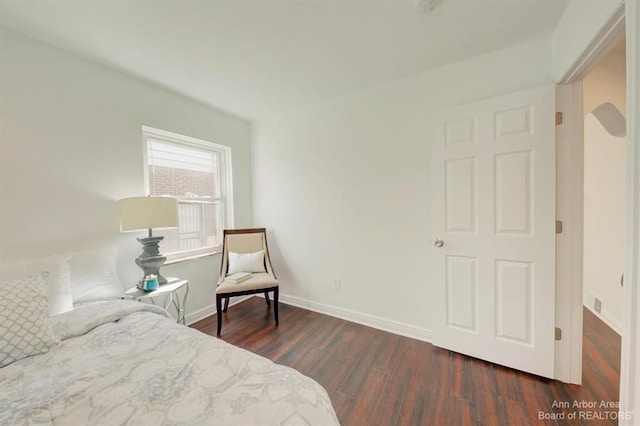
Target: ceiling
[[254, 57]]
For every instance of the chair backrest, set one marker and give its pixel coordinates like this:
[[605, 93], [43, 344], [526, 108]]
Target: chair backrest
[[244, 241]]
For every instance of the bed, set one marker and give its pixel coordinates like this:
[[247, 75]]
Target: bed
[[115, 362]]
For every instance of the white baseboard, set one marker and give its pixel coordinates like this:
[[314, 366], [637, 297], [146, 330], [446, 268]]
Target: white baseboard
[[384, 324], [418, 333], [200, 314], [210, 310], [612, 321]]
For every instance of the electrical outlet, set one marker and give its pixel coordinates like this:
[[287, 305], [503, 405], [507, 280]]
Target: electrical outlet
[[336, 284], [597, 305]]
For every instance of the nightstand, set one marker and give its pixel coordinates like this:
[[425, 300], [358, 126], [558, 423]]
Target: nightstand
[[170, 293]]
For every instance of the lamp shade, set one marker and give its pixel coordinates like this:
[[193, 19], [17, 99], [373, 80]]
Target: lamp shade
[[148, 212]]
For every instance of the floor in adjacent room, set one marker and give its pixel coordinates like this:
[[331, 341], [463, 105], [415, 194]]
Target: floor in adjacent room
[[379, 378]]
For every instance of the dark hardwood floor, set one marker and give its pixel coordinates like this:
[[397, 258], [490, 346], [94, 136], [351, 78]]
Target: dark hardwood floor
[[378, 378]]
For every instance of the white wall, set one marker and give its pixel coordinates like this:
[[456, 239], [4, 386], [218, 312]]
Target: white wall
[[606, 83], [604, 192], [581, 21], [71, 146], [604, 214], [344, 187]]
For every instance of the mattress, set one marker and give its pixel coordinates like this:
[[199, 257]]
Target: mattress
[[124, 362]]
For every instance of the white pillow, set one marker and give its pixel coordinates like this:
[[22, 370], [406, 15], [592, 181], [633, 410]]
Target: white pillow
[[25, 329], [58, 280], [246, 262], [94, 275]]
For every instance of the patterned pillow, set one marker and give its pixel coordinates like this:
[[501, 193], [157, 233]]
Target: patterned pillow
[[24, 319]]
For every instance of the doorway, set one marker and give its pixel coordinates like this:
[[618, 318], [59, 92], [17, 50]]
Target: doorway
[[604, 109], [571, 295], [604, 202], [569, 272]]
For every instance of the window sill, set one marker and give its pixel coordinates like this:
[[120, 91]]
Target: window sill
[[190, 257]]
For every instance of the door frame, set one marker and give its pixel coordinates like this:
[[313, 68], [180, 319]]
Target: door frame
[[570, 194], [569, 255], [569, 243], [630, 365]]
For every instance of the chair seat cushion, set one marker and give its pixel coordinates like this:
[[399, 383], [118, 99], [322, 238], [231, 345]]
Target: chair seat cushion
[[257, 281]]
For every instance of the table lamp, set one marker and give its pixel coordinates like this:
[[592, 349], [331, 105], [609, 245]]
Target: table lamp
[[147, 213]]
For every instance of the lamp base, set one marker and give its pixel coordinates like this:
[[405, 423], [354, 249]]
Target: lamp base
[[151, 260]]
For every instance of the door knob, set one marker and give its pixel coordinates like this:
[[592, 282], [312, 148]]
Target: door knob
[[438, 243]]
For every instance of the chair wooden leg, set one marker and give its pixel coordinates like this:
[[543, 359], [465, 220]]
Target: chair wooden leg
[[219, 311], [275, 304], [226, 305], [266, 297]]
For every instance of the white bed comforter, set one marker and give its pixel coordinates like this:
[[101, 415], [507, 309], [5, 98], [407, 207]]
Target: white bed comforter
[[123, 362]]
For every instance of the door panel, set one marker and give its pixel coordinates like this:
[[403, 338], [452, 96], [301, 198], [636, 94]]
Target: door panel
[[462, 299], [460, 182], [513, 301], [493, 206], [513, 193]]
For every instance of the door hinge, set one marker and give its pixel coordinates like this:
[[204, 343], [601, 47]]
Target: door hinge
[[558, 333], [559, 227], [559, 118]]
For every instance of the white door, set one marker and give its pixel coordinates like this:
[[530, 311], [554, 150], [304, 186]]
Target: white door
[[493, 211]]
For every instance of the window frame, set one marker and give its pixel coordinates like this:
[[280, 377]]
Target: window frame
[[225, 176]]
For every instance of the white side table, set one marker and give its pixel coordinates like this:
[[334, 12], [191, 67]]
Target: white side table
[[170, 293]]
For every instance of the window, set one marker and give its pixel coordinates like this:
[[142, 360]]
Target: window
[[198, 174]]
